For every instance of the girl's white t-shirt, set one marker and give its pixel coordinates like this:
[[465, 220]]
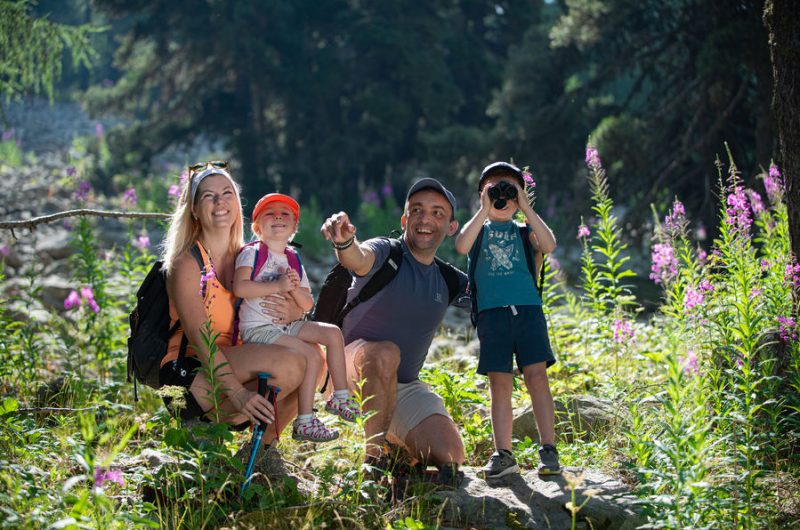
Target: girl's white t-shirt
[[250, 314]]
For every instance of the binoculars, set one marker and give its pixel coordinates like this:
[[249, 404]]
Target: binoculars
[[501, 193]]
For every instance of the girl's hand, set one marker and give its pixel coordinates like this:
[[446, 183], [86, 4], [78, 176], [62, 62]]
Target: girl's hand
[[255, 407], [293, 277], [522, 199], [286, 283]]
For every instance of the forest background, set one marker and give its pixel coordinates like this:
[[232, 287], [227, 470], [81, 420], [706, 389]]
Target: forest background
[[690, 104], [336, 100]]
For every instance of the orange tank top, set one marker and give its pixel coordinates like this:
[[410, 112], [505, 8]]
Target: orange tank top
[[220, 307]]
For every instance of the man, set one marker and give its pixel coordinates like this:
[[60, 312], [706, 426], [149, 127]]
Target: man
[[388, 336]]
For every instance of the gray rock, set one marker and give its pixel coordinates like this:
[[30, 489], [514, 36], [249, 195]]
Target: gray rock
[[527, 501], [54, 246], [583, 417]]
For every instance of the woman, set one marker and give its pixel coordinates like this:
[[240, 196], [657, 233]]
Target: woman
[[207, 228]]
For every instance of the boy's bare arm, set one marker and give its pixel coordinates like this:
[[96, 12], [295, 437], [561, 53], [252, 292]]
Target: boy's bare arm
[[244, 287], [466, 238], [540, 236]]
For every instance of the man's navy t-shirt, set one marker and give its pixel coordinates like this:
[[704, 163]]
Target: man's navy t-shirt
[[407, 311]]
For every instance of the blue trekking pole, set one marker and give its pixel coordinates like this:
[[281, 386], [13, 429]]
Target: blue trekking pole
[[258, 432]]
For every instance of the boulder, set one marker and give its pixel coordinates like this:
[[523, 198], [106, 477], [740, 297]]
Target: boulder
[[577, 417], [528, 501]]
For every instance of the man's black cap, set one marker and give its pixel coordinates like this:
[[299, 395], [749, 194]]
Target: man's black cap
[[432, 184]]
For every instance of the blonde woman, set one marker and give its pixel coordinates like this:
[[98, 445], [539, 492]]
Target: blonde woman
[[206, 230]]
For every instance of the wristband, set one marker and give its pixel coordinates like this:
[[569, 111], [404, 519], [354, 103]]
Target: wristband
[[343, 245]]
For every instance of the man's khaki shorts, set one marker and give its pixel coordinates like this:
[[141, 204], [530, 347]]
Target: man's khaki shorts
[[415, 401]]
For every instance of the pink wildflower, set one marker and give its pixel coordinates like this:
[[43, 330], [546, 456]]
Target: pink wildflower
[[756, 203], [82, 193], [623, 331], [387, 190], [706, 286], [593, 158], [88, 296], [9, 134], [764, 265], [130, 197], [700, 233], [370, 197], [142, 242], [791, 275], [583, 231], [788, 329], [98, 130], [5, 250], [692, 298], [102, 475], [184, 176], [737, 215], [528, 178], [72, 300], [71, 171], [702, 255], [665, 264], [755, 292], [773, 184], [174, 191], [206, 277], [690, 363]]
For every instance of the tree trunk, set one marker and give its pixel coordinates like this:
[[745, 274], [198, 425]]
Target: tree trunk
[[782, 19]]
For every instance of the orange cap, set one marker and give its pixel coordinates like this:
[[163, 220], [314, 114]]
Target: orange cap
[[269, 198]]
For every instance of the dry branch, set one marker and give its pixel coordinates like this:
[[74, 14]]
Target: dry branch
[[31, 224]]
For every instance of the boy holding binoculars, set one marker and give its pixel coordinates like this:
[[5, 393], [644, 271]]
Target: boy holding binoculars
[[504, 261]]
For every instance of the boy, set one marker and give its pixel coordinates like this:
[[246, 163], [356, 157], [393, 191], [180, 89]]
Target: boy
[[275, 219], [509, 309]]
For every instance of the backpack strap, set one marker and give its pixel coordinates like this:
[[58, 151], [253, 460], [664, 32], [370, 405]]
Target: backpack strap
[[379, 280], [450, 278], [524, 231], [474, 253], [293, 257], [197, 254]]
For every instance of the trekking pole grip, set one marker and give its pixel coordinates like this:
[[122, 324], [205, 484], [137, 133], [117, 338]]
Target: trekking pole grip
[[263, 378]]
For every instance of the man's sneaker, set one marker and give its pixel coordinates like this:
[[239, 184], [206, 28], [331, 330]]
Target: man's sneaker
[[449, 475], [345, 408], [549, 460], [500, 464], [313, 431]]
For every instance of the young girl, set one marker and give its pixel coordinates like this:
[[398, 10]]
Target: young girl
[[275, 218]]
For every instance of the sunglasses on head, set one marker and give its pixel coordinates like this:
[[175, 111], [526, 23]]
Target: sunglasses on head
[[200, 166]]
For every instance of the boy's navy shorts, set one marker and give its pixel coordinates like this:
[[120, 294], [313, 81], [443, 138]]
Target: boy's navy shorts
[[503, 333]]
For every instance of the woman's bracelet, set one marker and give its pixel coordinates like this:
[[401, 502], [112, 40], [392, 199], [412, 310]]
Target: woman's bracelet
[[343, 245]]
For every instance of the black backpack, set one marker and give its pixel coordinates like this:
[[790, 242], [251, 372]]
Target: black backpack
[[473, 256], [332, 305], [150, 329]]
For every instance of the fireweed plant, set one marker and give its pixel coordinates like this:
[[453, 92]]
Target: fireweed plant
[[707, 388]]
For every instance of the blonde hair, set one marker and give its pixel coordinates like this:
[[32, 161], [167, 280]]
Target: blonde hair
[[184, 229]]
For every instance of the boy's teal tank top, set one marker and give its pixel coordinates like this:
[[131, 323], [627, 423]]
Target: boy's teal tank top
[[501, 274]]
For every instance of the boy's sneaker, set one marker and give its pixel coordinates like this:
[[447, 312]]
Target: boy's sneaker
[[501, 463], [345, 408], [549, 461], [313, 431]]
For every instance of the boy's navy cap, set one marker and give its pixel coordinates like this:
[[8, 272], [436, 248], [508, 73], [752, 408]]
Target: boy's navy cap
[[432, 184], [501, 168]]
